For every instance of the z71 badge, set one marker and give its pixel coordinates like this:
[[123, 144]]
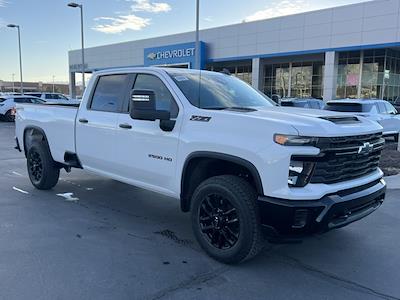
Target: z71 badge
[[200, 118]]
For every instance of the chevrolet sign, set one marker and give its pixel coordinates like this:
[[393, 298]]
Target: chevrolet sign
[[170, 54], [184, 53]]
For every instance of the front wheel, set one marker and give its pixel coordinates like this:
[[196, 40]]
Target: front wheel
[[42, 169], [225, 219]]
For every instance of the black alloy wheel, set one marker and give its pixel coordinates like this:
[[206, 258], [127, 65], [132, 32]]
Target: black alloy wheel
[[42, 169], [219, 221], [225, 219], [35, 166]]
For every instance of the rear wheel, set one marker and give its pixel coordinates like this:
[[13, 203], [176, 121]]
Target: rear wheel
[[9, 117], [225, 219], [42, 170]]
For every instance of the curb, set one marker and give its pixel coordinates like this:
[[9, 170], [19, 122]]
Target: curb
[[393, 182]]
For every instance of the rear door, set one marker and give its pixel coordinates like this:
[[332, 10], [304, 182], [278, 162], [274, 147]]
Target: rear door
[[147, 153], [96, 123]]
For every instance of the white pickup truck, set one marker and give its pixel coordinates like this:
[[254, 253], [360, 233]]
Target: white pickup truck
[[238, 162]]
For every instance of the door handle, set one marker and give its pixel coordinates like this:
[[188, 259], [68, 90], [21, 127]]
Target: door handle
[[125, 126], [83, 121]]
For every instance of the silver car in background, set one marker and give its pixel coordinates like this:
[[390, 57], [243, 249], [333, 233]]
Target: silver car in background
[[380, 111]]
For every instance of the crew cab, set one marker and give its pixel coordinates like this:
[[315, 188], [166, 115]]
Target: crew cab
[[243, 166]]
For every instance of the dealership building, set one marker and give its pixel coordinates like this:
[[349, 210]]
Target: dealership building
[[351, 51]]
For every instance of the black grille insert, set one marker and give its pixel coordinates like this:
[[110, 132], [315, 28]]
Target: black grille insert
[[346, 158]]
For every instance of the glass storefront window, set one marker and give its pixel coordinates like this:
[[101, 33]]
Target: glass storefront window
[[380, 76], [306, 79], [348, 75], [282, 80], [240, 69], [301, 80]]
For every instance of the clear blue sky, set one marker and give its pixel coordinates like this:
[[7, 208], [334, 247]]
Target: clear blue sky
[[50, 29]]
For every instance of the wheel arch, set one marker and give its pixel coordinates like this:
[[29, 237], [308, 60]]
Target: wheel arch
[[197, 168], [32, 133]]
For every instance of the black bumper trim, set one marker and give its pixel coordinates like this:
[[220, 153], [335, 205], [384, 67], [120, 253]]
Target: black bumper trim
[[329, 212]]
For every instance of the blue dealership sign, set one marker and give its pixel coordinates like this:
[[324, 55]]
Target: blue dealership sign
[[177, 54]]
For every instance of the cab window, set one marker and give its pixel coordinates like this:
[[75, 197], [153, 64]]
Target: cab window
[[164, 99], [110, 93]]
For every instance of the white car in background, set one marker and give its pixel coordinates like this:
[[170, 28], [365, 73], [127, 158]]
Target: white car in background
[[380, 111], [7, 105], [53, 98]]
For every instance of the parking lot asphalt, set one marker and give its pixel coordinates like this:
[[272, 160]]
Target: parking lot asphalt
[[121, 242]]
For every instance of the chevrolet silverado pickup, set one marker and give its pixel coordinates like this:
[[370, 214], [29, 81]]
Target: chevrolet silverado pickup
[[243, 166]]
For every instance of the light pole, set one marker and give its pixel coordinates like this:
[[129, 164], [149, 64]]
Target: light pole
[[13, 86], [197, 53], [53, 83], [20, 56], [75, 5]]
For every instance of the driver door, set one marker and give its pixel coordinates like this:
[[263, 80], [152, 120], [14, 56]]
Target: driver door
[[147, 153]]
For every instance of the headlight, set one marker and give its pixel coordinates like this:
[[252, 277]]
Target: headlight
[[300, 173], [295, 140]]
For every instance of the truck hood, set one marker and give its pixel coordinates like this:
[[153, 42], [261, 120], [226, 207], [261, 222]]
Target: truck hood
[[320, 123]]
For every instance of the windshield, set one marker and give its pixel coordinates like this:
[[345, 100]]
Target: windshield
[[349, 107], [218, 91]]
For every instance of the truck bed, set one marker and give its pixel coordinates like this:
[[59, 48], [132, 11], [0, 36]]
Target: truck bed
[[56, 120]]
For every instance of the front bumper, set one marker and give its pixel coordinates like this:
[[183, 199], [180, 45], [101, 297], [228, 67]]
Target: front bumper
[[296, 218]]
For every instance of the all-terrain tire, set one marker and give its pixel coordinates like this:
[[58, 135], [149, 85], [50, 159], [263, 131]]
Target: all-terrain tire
[[239, 198], [43, 171]]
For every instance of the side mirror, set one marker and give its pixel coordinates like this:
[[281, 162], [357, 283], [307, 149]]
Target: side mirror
[[143, 107]]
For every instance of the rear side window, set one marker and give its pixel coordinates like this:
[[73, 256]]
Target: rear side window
[[164, 99], [20, 100], [110, 93], [344, 107]]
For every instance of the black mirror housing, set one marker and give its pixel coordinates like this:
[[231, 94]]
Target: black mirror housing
[[143, 107]]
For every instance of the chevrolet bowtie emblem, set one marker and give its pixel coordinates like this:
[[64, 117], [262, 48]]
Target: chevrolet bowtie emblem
[[365, 148], [152, 56]]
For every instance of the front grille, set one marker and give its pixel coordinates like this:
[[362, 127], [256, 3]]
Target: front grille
[[347, 158]]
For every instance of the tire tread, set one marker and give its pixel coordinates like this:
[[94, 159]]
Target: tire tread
[[246, 193]]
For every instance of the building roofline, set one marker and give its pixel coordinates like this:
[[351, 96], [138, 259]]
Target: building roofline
[[228, 25]]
